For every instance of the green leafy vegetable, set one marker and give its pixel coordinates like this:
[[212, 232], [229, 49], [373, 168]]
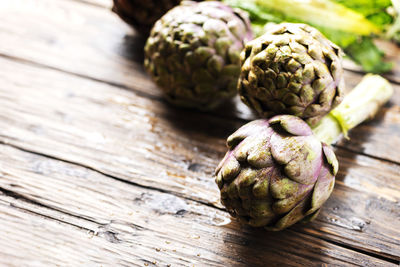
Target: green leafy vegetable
[[373, 10], [365, 52], [351, 24]]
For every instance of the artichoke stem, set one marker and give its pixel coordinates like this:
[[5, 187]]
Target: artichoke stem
[[362, 103]]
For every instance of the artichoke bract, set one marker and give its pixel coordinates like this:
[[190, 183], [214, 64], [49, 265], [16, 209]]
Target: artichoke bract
[[275, 173], [140, 14], [193, 53], [291, 69]]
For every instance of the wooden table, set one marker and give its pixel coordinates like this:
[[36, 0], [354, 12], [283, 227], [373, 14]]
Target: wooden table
[[96, 169]]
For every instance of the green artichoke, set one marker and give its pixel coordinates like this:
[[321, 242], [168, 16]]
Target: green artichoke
[[142, 14], [193, 52], [291, 69], [275, 173]]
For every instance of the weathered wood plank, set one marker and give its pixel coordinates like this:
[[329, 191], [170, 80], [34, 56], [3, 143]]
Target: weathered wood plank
[[126, 224], [379, 137], [121, 134], [145, 142], [87, 122], [75, 37], [92, 42]]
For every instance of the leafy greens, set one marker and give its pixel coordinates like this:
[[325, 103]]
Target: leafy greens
[[351, 24]]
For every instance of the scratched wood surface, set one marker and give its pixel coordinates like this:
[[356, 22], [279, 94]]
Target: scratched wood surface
[[96, 169]]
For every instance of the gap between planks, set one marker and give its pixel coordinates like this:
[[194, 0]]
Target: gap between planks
[[14, 195], [209, 204]]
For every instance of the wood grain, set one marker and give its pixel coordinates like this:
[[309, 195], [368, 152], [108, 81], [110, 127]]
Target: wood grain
[[121, 134], [74, 37], [96, 169], [117, 223]]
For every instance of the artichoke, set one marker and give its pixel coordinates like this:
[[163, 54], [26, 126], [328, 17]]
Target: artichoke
[[291, 69], [142, 14], [275, 173], [193, 52]]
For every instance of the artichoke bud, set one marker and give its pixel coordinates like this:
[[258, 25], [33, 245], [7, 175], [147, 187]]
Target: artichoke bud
[[275, 173], [195, 47], [298, 66]]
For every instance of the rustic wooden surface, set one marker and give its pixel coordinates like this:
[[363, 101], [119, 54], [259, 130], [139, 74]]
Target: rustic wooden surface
[[96, 169]]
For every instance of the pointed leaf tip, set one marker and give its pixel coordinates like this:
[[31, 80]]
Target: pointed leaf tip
[[331, 158]]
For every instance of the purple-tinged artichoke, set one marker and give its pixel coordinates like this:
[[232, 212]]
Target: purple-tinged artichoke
[[275, 173], [291, 69], [193, 53]]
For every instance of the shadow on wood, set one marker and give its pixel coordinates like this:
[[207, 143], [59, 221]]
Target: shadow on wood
[[131, 48]]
